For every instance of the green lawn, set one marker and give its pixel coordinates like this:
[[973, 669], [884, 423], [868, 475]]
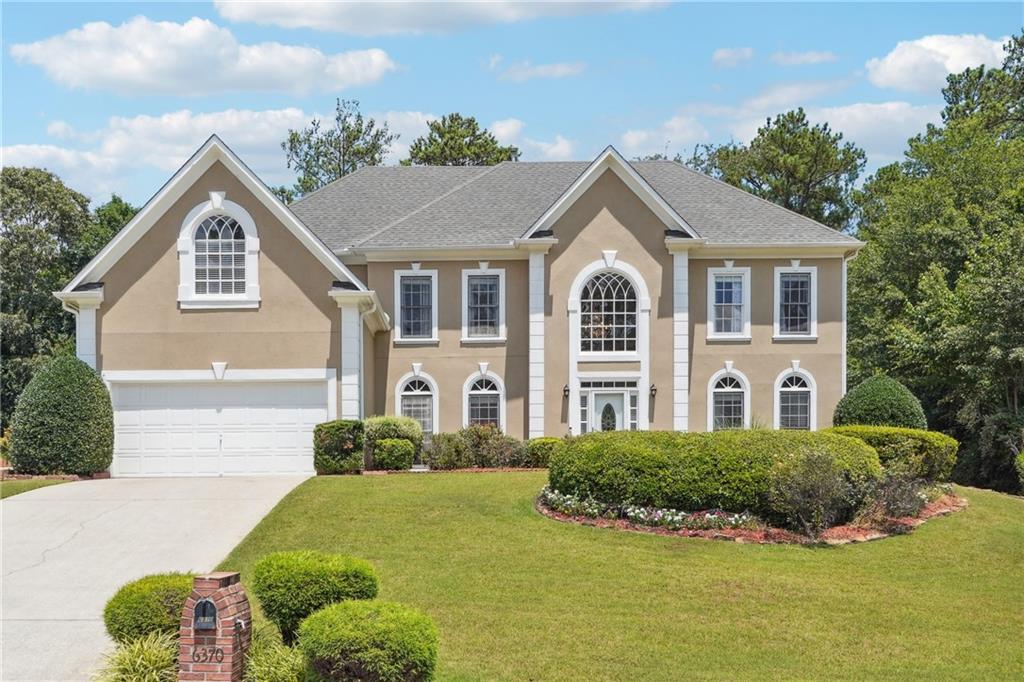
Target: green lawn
[[16, 486], [520, 597]]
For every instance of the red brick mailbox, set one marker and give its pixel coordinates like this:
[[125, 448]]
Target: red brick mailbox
[[215, 630]]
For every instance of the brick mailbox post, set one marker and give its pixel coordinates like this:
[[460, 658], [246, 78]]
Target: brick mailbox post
[[216, 628]]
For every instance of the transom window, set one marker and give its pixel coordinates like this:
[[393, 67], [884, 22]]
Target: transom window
[[416, 309], [794, 403], [483, 305], [219, 256], [795, 303], [484, 403], [608, 310], [728, 404], [417, 402]]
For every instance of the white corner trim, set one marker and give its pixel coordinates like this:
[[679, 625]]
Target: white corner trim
[[744, 335], [680, 341], [483, 270], [535, 407], [728, 370], [794, 368], [472, 379], [418, 373], [415, 272], [187, 296], [610, 159], [812, 332]]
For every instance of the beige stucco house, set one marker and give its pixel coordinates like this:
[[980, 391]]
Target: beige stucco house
[[548, 298]]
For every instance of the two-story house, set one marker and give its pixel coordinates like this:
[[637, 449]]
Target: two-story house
[[547, 298]]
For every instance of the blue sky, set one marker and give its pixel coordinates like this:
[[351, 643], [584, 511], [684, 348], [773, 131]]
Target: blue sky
[[114, 97]]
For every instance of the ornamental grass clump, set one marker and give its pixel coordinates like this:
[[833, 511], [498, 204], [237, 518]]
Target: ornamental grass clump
[[151, 658]]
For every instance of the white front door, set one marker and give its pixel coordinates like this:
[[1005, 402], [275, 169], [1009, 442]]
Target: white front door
[[607, 411]]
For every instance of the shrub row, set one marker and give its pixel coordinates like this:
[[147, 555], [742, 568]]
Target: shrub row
[[929, 455], [345, 446], [728, 470], [488, 447]]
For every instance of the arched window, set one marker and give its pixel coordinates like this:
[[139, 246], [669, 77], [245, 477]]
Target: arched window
[[220, 256], [484, 401], [608, 310], [794, 401], [728, 404], [417, 401]]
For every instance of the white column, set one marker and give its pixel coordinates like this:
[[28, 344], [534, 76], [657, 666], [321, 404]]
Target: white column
[[85, 334], [536, 383], [842, 358], [681, 341], [351, 342]]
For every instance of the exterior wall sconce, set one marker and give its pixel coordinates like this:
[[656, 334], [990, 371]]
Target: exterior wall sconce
[[565, 391], [654, 390]]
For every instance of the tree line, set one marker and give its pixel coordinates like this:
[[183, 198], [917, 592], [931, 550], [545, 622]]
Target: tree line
[[935, 298]]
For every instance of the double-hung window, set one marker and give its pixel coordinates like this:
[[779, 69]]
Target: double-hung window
[[728, 303], [796, 314], [416, 305], [483, 304]]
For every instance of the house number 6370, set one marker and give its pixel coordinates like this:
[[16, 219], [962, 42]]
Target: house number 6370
[[207, 654]]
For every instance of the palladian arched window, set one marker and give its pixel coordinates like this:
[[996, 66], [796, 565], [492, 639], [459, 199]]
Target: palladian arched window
[[484, 403], [794, 400], [728, 404], [608, 310], [220, 256], [417, 402]]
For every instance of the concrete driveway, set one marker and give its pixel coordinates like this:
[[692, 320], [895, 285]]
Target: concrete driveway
[[66, 549]]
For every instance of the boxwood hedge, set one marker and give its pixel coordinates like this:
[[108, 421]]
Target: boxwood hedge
[[880, 401], [148, 605], [921, 454], [728, 470]]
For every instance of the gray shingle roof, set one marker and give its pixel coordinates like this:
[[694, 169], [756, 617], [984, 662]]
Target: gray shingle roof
[[452, 206]]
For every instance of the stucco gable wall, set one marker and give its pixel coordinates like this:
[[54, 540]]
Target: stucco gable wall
[[141, 327]]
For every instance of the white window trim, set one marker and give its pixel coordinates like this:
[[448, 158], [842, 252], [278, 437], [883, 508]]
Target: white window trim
[[188, 299], [710, 406], [712, 335], [777, 333], [399, 274], [813, 390], [501, 396], [435, 395], [502, 333]]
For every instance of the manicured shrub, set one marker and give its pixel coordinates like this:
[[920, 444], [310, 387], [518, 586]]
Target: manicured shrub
[[377, 429], [538, 450], [921, 454], [448, 451], [728, 470], [338, 447], [393, 454], [148, 605], [880, 401], [370, 640], [63, 422], [292, 585], [152, 658], [809, 490], [476, 446], [270, 660]]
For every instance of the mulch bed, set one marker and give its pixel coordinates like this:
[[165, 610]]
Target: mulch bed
[[837, 535]]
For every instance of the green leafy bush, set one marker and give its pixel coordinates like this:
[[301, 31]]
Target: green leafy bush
[[377, 429], [448, 451], [896, 495], [270, 660], [151, 658], [476, 446], [292, 585], [393, 454], [338, 447], [370, 640], [727, 470], [148, 605], [880, 401], [538, 450], [1019, 464], [809, 489], [63, 422], [921, 454]]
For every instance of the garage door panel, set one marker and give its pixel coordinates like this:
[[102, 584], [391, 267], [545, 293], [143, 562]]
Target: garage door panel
[[178, 429]]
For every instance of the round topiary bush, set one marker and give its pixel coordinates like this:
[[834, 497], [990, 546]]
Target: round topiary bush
[[727, 470], [63, 422], [370, 640], [880, 401], [292, 585], [148, 605], [538, 450], [393, 454]]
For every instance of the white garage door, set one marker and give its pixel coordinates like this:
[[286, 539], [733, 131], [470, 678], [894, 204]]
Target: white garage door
[[211, 429]]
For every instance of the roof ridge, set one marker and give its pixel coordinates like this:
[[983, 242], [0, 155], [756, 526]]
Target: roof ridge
[[486, 170], [761, 199]]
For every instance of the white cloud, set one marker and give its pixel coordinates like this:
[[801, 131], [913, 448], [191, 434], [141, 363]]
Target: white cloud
[[782, 96], [677, 133], [801, 58], [197, 57], [409, 125], [521, 72], [510, 131], [922, 65], [728, 57], [391, 18], [881, 129]]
